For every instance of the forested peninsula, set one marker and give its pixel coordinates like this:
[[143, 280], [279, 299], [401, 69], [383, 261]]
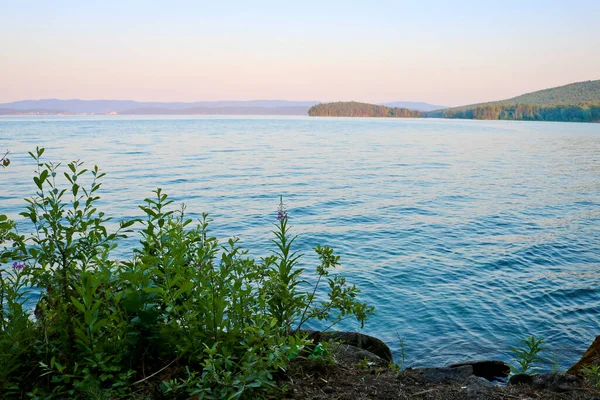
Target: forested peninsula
[[355, 109], [576, 102]]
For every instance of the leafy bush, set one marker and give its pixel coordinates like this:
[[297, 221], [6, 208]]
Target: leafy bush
[[527, 356], [592, 375], [185, 316]]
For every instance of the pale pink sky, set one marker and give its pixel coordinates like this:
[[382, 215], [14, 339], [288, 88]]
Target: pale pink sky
[[443, 54]]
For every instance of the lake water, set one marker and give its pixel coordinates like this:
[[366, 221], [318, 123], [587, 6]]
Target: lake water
[[466, 235]]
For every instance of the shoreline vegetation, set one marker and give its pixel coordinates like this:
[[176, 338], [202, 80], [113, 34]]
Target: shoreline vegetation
[[587, 112], [356, 109], [186, 316], [577, 102]]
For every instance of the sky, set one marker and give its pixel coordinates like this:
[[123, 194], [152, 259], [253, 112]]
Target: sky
[[442, 52]]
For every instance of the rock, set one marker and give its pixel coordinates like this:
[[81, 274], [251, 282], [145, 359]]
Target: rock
[[477, 387], [521, 379], [362, 341], [589, 358], [488, 369], [351, 355], [439, 375], [557, 382], [554, 381]]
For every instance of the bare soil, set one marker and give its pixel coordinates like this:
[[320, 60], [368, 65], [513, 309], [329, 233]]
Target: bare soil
[[348, 380]]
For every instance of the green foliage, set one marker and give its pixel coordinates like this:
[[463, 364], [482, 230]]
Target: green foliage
[[576, 102], [554, 363], [18, 333], [573, 93], [365, 364], [354, 109], [402, 346], [185, 316], [527, 356], [592, 375], [585, 112]]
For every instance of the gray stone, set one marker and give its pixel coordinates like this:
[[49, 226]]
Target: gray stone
[[554, 381], [477, 387], [355, 339], [521, 379], [557, 382], [351, 355]]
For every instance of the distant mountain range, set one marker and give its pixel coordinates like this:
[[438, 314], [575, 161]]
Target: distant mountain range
[[136, 107], [226, 110], [130, 107]]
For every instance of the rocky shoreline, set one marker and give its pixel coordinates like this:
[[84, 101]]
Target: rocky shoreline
[[364, 370]]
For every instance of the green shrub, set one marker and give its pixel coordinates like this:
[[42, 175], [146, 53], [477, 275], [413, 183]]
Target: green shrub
[[528, 356], [591, 374], [185, 316]]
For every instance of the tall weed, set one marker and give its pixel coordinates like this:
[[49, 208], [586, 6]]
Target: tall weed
[[185, 316]]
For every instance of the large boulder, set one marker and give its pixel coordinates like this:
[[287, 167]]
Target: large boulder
[[554, 381], [589, 358], [477, 387], [488, 369], [521, 379], [360, 340], [350, 356]]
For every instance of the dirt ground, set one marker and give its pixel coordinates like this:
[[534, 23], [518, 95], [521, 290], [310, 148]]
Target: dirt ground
[[348, 380]]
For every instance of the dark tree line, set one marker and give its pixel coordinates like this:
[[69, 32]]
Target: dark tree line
[[586, 112], [355, 109], [582, 112]]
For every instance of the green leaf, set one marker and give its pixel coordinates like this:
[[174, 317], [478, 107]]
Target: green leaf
[[38, 182], [78, 304], [127, 224], [185, 288]]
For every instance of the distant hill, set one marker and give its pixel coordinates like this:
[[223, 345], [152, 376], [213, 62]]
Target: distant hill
[[291, 110], [130, 107], [355, 109], [412, 105], [31, 111], [574, 93], [125, 106], [575, 102]]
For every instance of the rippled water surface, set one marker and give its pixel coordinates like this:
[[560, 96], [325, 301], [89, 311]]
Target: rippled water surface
[[465, 235]]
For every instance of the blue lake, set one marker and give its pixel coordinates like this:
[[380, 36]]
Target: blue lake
[[465, 235]]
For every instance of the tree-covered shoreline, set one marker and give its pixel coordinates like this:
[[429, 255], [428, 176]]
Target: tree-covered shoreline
[[575, 102], [587, 112], [356, 109]]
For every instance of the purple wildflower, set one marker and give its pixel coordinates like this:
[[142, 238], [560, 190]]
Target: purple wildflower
[[281, 211], [18, 265]]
